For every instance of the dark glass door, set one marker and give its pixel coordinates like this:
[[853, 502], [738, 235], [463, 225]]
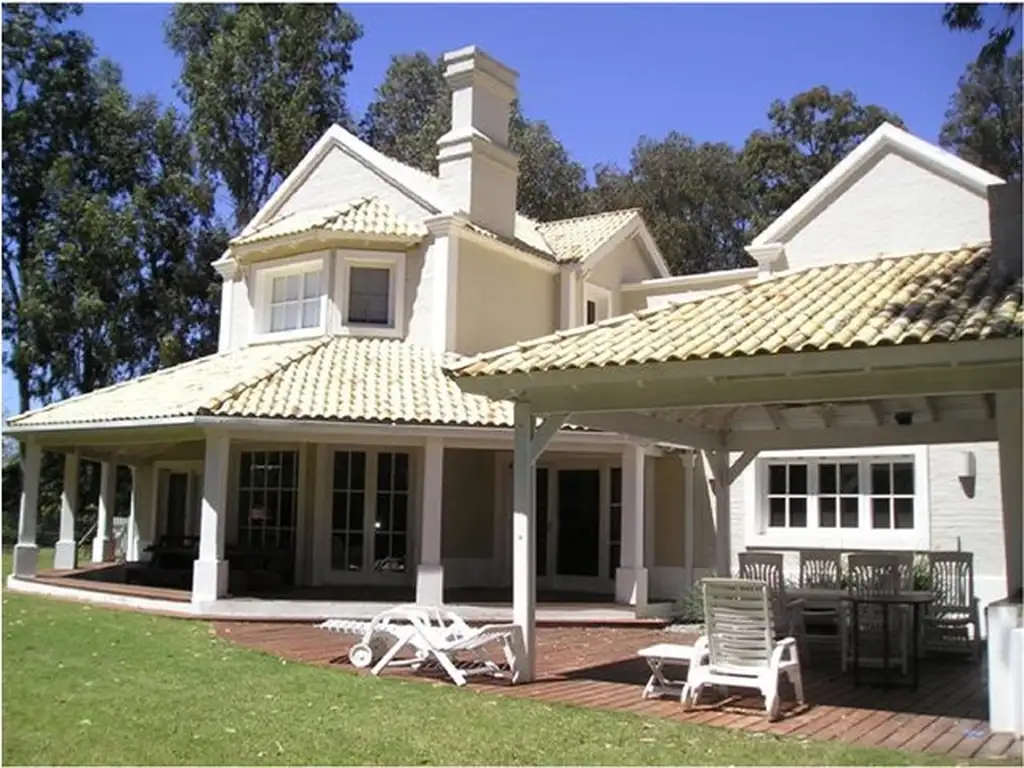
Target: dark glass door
[[579, 529], [541, 494]]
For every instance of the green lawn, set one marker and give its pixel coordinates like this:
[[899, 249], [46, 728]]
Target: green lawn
[[87, 685]]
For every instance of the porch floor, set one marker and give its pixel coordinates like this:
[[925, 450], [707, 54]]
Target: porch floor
[[355, 602], [598, 667]]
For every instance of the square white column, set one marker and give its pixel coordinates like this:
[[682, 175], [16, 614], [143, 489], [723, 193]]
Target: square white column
[[429, 571], [1008, 431], [105, 513], [65, 557], [524, 538], [631, 576], [718, 464], [210, 573], [26, 552], [142, 519]]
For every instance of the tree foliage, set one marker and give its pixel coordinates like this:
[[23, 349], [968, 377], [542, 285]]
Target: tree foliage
[[807, 136], [262, 83], [412, 110], [691, 196], [983, 122], [971, 17]]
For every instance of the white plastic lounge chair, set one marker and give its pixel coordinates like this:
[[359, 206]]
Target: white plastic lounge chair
[[460, 653], [740, 645], [393, 625]]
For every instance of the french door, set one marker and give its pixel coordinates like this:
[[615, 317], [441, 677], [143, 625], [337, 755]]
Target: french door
[[370, 525]]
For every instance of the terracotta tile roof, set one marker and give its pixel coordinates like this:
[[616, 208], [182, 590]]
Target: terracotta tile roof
[[575, 239], [339, 378], [365, 216], [922, 298]]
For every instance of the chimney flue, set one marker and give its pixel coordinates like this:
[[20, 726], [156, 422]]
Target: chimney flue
[[478, 172]]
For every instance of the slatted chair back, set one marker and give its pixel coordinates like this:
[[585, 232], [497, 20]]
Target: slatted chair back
[[874, 573], [821, 569], [766, 567], [738, 624], [952, 581], [905, 564]]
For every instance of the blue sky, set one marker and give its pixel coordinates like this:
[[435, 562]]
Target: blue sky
[[604, 75]]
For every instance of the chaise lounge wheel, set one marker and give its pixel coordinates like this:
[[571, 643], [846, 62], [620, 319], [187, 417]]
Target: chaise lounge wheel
[[361, 655]]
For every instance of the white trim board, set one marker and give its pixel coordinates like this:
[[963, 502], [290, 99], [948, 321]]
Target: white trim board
[[885, 139]]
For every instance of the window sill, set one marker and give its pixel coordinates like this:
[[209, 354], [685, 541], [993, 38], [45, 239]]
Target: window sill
[[843, 538], [268, 337], [373, 331]]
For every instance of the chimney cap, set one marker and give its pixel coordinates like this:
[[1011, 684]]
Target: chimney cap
[[473, 59]]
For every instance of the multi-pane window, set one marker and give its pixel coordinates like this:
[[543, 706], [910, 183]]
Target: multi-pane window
[[295, 301], [788, 490], [268, 497], [615, 522], [854, 494], [892, 494], [369, 296], [348, 505], [391, 527], [838, 495]]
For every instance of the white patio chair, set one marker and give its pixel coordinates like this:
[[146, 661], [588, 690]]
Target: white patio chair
[[461, 653], [956, 607], [874, 574], [739, 648], [787, 614], [821, 569]]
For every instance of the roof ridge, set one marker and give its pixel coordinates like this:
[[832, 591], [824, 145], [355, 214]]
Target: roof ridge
[[265, 372], [118, 385], [586, 216]]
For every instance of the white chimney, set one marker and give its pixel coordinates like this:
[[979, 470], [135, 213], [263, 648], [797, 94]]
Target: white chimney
[[478, 171]]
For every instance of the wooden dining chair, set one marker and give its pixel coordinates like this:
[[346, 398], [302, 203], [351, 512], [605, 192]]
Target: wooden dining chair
[[953, 621], [788, 613]]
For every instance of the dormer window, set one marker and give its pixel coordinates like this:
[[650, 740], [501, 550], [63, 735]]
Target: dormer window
[[369, 292], [289, 297], [597, 304]]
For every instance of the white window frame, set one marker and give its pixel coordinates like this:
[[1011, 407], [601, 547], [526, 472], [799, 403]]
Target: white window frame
[[755, 495], [395, 264], [601, 297], [263, 282]]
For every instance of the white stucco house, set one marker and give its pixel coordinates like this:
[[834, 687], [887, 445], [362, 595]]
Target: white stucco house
[[337, 429]]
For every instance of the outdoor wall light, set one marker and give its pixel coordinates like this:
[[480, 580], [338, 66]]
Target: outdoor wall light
[[968, 467]]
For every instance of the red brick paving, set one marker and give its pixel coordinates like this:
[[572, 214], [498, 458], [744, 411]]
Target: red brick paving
[[597, 667]]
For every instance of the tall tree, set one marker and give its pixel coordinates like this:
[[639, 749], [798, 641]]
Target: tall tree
[[806, 138], [692, 198], [983, 122], [971, 17], [412, 110], [262, 83], [47, 100]]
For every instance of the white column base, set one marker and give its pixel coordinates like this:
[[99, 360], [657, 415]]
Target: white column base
[[26, 560], [100, 547], [209, 580], [65, 556], [631, 586], [1005, 667], [430, 585]]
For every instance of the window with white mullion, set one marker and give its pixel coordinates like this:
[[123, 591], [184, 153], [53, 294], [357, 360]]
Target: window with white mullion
[[788, 494], [839, 486], [295, 301], [891, 494]]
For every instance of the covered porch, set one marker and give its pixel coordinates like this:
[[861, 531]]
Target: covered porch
[[917, 350]]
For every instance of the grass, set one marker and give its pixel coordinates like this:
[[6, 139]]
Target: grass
[[87, 685]]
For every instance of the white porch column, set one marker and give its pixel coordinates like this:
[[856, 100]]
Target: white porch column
[[65, 556], [631, 577], [524, 537], [26, 552], [210, 573], [1008, 430], [142, 518], [105, 512], [689, 511], [429, 571], [718, 469]]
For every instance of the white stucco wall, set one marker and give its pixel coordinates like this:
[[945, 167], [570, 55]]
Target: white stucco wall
[[894, 207]]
